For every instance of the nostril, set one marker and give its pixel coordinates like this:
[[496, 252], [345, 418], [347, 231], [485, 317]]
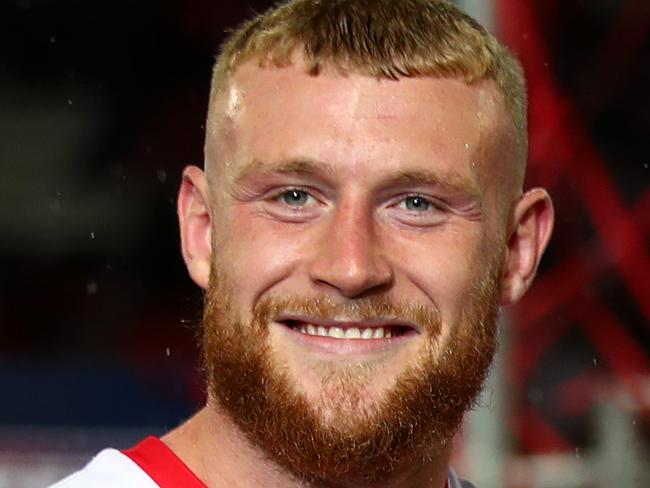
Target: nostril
[[350, 266]]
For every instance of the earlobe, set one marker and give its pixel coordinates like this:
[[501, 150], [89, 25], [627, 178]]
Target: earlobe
[[529, 234], [195, 224]]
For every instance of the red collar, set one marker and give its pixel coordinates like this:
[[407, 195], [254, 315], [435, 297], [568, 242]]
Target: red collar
[[162, 465]]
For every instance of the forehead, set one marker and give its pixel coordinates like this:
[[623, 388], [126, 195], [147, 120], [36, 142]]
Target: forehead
[[270, 111], [355, 95]]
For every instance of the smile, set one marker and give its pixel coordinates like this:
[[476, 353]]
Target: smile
[[342, 329], [364, 333], [344, 336]]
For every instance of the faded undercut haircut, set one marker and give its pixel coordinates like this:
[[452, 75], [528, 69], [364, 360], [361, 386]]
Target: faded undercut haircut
[[387, 39]]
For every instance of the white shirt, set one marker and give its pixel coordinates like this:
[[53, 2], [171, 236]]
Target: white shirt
[[109, 469]]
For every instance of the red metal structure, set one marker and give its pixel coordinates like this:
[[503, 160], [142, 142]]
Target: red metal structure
[[593, 294]]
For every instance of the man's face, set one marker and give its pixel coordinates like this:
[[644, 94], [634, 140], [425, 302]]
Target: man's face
[[357, 252]]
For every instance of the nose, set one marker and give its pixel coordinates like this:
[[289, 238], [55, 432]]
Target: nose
[[348, 256]]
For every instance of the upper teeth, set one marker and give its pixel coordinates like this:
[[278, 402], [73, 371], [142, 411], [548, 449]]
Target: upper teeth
[[348, 333]]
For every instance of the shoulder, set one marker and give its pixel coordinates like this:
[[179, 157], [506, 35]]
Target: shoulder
[[109, 469]]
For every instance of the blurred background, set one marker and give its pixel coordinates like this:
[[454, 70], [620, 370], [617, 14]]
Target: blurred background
[[101, 106]]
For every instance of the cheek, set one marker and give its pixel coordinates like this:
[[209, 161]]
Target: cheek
[[257, 252], [444, 265]]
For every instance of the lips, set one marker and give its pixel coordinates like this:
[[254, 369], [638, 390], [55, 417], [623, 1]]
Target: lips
[[346, 335]]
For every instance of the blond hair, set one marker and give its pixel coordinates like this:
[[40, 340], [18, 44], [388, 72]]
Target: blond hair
[[379, 38]]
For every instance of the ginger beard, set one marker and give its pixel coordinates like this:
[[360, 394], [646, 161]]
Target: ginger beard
[[347, 438]]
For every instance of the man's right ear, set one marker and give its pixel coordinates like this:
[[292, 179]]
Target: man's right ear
[[195, 224]]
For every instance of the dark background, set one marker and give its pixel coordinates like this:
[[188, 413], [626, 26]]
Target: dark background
[[101, 106]]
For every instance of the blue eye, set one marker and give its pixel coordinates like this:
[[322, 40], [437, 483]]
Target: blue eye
[[417, 204], [295, 198]]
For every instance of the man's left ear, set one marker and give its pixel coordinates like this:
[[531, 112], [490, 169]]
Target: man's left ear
[[529, 231]]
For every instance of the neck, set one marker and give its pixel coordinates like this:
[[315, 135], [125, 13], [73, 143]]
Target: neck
[[220, 455]]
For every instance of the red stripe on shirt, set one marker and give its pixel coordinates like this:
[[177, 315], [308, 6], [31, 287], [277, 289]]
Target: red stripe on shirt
[[162, 465]]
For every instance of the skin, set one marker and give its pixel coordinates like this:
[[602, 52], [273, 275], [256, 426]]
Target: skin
[[358, 150]]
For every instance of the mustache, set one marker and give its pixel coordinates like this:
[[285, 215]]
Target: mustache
[[425, 317]]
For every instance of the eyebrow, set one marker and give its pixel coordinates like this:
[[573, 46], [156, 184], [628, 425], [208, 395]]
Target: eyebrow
[[447, 181], [296, 166]]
